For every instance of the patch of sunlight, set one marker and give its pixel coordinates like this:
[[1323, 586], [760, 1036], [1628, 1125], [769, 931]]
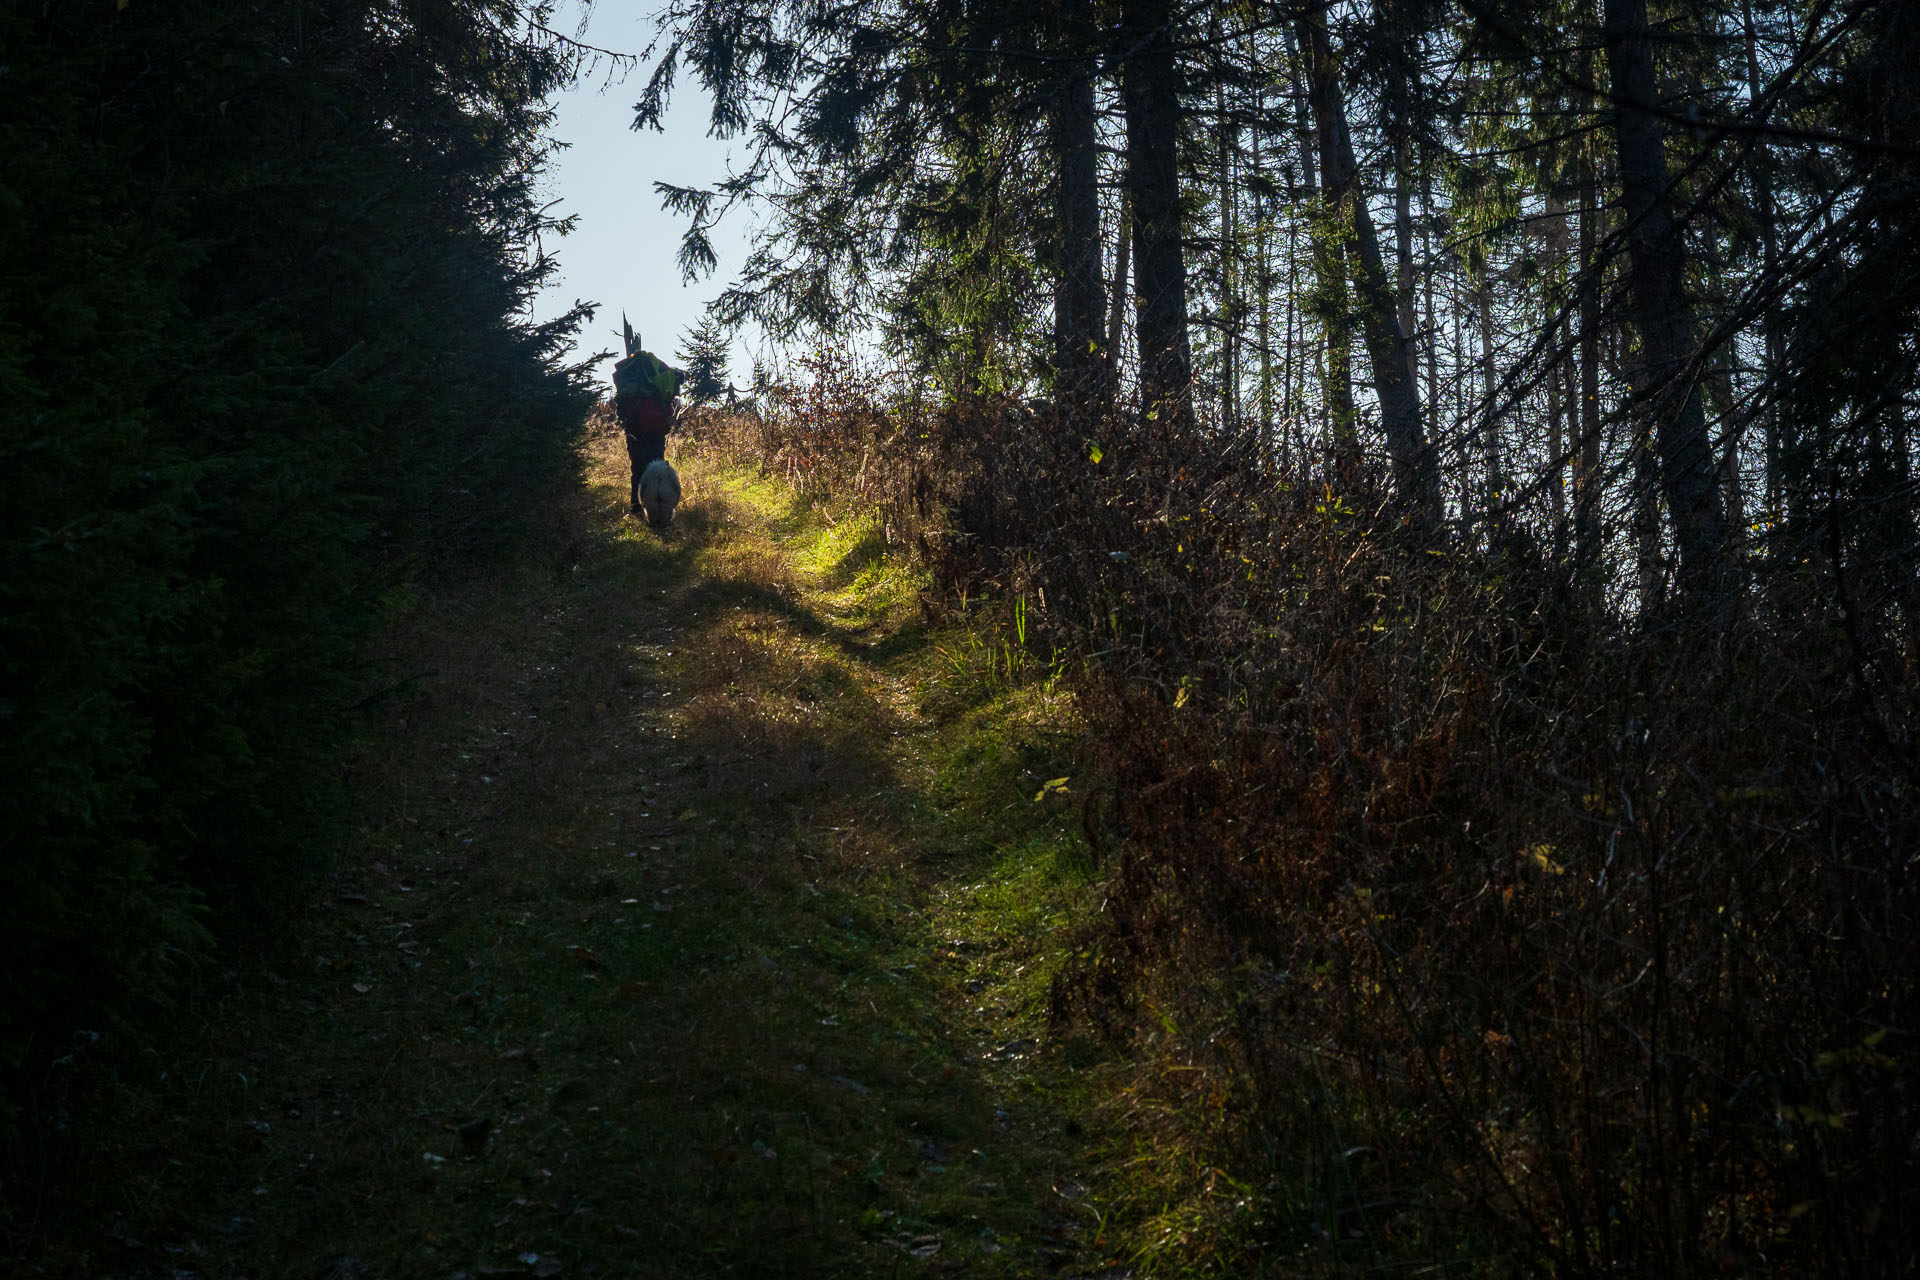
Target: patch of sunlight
[[841, 548], [885, 594], [766, 495], [844, 565]]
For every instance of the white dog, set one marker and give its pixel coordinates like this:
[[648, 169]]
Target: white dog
[[659, 492]]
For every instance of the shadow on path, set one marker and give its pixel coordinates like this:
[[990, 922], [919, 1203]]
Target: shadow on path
[[637, 966]]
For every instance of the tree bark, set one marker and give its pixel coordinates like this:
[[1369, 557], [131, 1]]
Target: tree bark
[[1416, 471], [1150, 96], [1775, 424], [1263, 279], [1117, 296], [1081, 364], [1586, 464], [1659, 308], [1490, 460], [1403, 252], [1228, 195], [1328, 303]]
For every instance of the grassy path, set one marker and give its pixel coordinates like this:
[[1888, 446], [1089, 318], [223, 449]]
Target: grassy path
[[696, 925]]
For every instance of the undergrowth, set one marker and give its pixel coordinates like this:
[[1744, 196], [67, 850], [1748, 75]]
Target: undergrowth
[[1446, 917]]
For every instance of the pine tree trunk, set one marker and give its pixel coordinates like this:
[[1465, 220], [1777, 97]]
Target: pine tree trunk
[[1117, 295], [1659, 308], [1403, 253], [1416, 473], [1433, 317], [1263, 279], [1586, 466], [1229, 144], [1556, 452], [1490, 458], [1460, 303], [1559, 377], [1081, 367], [1149, 82], [1328, 302], [1775, 424]]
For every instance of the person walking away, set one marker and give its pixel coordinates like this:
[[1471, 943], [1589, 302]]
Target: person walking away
[[645, 389]]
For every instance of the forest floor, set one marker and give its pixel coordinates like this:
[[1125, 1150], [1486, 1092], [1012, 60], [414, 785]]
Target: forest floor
[[700, 920]]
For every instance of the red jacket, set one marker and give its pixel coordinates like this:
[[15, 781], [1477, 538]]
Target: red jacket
[[644, 415]]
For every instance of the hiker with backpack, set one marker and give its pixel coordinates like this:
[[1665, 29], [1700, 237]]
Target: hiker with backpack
[[644, 391]]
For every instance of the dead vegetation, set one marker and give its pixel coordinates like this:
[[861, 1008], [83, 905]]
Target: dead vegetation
[[1453, 918]]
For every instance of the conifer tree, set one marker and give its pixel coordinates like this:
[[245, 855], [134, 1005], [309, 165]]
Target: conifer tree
[[704, 354], [264, 272]]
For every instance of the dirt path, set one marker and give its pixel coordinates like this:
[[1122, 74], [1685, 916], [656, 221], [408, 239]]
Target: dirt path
[[695, 926]]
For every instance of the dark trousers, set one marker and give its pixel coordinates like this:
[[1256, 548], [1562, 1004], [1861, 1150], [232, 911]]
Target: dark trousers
[[642, 448]]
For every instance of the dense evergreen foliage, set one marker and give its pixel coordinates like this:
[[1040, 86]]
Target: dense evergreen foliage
[[263, 282]]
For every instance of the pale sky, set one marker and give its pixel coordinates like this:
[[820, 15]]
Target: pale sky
[[622, 253]]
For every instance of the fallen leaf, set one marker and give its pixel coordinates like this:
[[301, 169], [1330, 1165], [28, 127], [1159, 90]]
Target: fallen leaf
[[1543, 858], [362, 987], [586, 958]]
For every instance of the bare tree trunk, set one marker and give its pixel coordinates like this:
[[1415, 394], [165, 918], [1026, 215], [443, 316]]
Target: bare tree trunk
[[1288, 406], [1433, 317], [1416, 473], [1082, 370], [1556, 453], [1403, 252], [1775, 425], [1646, 516], [1462, 441], [1586, 466], [1229, 144], [1661, 311], [1328, 304], [1559, 379], [1149, 82], [1117, 296], [1727, 472], [1490, 419], [1263, 275], [1336, 367]]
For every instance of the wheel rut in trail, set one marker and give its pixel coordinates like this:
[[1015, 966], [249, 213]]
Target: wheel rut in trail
[[655, 954]]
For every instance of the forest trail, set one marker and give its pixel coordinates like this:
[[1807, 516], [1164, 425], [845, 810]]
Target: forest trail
[[680, 938]]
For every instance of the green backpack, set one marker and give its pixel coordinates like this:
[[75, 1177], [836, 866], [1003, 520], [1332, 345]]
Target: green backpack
[[644, 374]]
